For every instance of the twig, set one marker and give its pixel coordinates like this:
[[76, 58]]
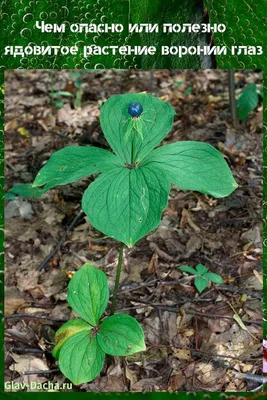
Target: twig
[[10, 165], [29, 316], [55, 250], [233, 289], [250, 377], [154, 282], [255, 322], [230, 220], [217, 356], [45, 372], [204, 353], [175, 310], [26, 350], [153, 305], [134, 286], [257, 389]]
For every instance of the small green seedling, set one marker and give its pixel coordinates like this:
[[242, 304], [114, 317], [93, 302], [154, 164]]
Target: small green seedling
[[57, 97], [77, 78], [81, 343], [202, 276]]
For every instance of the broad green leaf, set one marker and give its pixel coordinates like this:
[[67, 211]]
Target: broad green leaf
[[68, 330], [188, 269], [200, 283], [157, 119], [121, 335], [215, 278], [73, 163], [201, 269], [194, 166], [126, 204], [24, 190], [247, 101], [88, 293], [81, 358]]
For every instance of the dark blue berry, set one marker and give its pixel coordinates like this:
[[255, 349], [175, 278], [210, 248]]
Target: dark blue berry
[[135, 109]]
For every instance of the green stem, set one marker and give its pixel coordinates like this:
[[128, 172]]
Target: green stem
[[117, 280]]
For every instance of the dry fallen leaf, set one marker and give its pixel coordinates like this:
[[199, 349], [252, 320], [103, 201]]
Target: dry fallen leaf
[[182, 354], [13, 305], [28, 362], [177, 381]]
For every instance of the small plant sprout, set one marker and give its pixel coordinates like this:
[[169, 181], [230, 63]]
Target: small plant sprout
[[202, 276], [81, 343], [127, 199]]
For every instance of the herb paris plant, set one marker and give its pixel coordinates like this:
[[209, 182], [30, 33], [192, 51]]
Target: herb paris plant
[[81, 343], [127, 199]]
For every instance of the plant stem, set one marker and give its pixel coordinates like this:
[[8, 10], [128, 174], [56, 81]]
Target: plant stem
[[117, 280]]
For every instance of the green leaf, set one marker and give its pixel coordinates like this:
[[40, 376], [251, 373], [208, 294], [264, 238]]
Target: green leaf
[[68, 330], [188, 91], [75, 75], [157, 119], [81, 358], [88, 293], [121, 335], [24, 190], [200, 283], [201, 269], [194, 166], [78, 84], [190, 270], [215, 278], [9, 196], [59, 103], [125, 203], [73, 163], [61, 93], [247, 101]]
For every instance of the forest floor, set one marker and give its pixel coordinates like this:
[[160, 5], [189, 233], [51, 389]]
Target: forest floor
[[195, 342]]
